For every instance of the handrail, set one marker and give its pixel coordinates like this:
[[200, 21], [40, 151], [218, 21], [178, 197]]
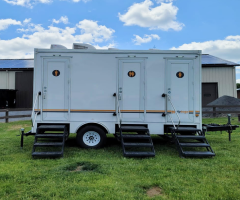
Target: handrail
[[172, 122], [168, 98], [119, 115], [33, 110]]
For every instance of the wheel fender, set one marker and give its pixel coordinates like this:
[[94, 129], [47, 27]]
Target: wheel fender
[[102, 125]]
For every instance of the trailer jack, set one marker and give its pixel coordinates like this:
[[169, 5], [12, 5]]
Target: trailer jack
[[24, 134]]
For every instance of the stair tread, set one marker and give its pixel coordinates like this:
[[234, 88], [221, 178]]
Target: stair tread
[[185, 129], [198, 153], [190, 137], [52, 127], [47, 153], [194, 144], [49, 144], [139, 154], [133, 128], [49, 135], [136, 136], [138, 144]]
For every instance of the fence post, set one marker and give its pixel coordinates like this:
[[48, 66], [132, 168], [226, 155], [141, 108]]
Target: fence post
[[6, 115], [214, 110]]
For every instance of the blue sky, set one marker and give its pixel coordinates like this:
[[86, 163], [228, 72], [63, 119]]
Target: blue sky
[[212, 26]]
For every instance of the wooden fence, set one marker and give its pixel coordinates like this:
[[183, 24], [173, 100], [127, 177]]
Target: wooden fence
[[7, 116], [215, 112]]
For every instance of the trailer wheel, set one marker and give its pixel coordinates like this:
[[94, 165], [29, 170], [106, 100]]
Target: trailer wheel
[[91, 137]]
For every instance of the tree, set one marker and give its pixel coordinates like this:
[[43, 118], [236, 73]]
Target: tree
[[238, 85]]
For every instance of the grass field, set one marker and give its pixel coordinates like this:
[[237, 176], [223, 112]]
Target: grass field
[[106, 174]]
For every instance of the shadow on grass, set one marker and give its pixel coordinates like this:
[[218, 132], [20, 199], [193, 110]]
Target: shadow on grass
[[162, 146]]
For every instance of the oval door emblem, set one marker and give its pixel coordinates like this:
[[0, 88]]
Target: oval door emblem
[[131, 74], [180, 74], [56, 72]]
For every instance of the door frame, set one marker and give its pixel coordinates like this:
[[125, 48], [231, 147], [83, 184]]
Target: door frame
[[167, 59], [66, 58], [141, 60]]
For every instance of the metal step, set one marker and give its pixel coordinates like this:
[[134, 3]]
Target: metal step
[[49, 135], [51, 127], [139, 154], [196, 137], [137, 144], [133, 128], [196, 144], [198, 153], [135, 136], [49, 144], [47, 154]]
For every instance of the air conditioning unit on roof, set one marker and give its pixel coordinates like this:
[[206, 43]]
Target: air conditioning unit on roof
[[82, 46], [57, 46]]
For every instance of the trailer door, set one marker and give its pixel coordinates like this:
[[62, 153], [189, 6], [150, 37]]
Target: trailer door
[[55, 89], [131, 90], [180, 88]]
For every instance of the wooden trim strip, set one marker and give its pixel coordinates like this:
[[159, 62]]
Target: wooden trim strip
[[157, 111], [55, 110], [76, 110], [123, 111]]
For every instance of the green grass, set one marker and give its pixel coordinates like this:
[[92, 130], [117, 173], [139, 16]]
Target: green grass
[[106, 174]]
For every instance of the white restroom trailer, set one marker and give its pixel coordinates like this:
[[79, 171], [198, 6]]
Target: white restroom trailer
[[89, 89]]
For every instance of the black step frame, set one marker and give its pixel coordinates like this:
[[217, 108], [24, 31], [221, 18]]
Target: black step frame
[[129, 128], [198, 136], [40, 134]]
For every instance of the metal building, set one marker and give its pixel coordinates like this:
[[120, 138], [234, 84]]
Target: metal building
[[218, 78], [17, 74]]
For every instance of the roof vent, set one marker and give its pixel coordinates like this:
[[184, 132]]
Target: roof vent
[[112, 49], [57, 46], [82, 46]]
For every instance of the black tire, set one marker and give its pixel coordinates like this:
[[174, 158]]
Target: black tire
[[97, 133]]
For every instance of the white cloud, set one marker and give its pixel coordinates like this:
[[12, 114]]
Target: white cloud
[[85, 1], [92, 32], [238, 80], [145, 15], [163, 1], [36, 36], [238, 70], [111, 45], [147, 38], [32, 28], [5, 23], [63, 19], [26, 21], [233, 37], [26, 3], [31, 3], [228, 48]]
